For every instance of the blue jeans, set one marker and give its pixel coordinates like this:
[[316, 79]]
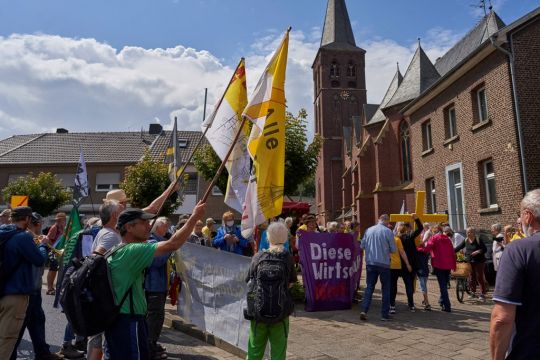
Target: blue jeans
[[127, 338], [442, 278], [35, 323], [373, 272]]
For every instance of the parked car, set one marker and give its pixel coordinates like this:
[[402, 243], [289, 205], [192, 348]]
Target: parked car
[[487, 238]]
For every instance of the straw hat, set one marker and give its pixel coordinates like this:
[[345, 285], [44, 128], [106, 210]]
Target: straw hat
[[116, 195]]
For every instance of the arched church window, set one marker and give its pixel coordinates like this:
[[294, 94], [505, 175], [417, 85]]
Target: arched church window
[[351, 69], [405, 144]]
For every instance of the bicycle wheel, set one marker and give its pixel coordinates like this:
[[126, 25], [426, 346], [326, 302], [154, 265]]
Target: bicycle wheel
[[460, 289]]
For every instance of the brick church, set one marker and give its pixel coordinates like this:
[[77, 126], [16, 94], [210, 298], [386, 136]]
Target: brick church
[[462, 128]]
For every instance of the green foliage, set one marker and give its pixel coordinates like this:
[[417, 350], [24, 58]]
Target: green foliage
[[207, 163], [145, 181], [45, 191], [300, 158], [298, 293]]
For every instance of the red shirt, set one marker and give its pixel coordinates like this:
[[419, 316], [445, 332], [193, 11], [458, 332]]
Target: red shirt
[[442, 252]]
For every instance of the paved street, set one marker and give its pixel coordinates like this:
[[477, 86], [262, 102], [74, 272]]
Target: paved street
[[463, 334]]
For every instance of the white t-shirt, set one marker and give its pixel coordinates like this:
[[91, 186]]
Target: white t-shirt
[[106, 238], [457, 239]]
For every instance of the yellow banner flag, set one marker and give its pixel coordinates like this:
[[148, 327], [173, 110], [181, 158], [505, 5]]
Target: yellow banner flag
[[266, 145]]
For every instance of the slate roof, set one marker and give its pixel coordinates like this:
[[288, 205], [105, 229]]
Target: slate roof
[[347, 136], [337, 32], [489, 25], [99, 147], [161, 144], [378, 115], [419, 76]]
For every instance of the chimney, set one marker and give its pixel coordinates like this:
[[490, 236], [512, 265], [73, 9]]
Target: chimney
[[61, 131], [155, 129]]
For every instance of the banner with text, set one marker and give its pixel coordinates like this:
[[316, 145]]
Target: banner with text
[[213, 293], [331, 266]]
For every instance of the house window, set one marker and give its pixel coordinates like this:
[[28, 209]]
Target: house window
[[107, 181], [480, 102], [405, 151], [427, 143], [68, 180], [431, 198], [450, 128], [182, 143], [489, 183], [216, 191], [15, 177], [191, 185]]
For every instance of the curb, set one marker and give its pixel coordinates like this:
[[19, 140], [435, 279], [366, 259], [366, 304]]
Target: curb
[[175, 322]]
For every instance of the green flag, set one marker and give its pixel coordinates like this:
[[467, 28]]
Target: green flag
[[69, 238]]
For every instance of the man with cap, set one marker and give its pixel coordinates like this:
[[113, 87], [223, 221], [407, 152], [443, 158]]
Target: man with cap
[[119, 196], [53, 235], [208, 230], [20, 255], [5, 217], [127, 337]]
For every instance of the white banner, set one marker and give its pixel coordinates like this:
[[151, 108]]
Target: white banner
[[214, 291]]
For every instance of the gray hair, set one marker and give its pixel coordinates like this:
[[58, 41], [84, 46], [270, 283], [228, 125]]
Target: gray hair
[[496, 227], [289, 221], [332, 226], [162, 220], [107, 210], [277, 233], [531, 201], [384, 218]]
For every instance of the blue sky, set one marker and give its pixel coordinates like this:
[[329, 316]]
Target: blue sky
[[118, 65]]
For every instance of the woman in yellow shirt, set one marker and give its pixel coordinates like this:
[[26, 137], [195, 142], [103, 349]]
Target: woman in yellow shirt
[[396, 271]]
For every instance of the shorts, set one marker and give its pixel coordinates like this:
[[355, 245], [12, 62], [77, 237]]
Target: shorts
[[423, 283], [53, 263]]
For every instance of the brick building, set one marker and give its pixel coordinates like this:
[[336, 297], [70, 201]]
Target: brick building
[[451, 128], [107, 155]]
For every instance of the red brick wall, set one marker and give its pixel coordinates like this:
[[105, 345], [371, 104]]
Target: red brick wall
[[497, 140]]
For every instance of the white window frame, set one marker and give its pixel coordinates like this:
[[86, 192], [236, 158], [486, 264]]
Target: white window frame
[[447, 171], [111, 185], [15, 177], [432, 195], [426, 132], [479, 104], [451, 122], [489, 176], [182, 143]]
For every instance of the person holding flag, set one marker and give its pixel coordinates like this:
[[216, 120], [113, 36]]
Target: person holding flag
[[266, 144], [54, 236]]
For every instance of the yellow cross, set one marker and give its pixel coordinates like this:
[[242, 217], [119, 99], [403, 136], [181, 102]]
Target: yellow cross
[[420, 199]]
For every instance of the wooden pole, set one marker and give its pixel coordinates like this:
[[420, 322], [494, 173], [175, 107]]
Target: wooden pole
[[222, 166]]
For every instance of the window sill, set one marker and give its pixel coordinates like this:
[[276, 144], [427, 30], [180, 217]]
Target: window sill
[[490, 210], [427, 152], [451, 140], [481, 125]]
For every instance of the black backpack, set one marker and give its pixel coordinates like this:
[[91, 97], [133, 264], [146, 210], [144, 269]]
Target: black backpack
[[87, 296], [4, 274], [269, 300]]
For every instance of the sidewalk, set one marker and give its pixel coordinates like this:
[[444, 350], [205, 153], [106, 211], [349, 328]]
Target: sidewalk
[[462, 334]]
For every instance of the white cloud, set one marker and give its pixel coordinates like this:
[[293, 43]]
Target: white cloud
[[49, 81]]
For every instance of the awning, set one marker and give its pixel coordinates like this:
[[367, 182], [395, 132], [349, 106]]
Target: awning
[[348, 214], [299, 207]]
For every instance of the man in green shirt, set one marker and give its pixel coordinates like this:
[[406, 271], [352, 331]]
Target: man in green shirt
[[127, 337]]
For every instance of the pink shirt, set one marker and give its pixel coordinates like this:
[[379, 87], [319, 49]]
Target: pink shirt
[[442, 252]]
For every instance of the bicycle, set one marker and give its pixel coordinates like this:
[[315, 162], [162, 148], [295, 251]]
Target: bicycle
[[462, 287]]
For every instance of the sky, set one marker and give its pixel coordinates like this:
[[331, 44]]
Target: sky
[[120, 65]]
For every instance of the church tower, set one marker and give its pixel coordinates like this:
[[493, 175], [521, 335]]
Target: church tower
[[340, 93]]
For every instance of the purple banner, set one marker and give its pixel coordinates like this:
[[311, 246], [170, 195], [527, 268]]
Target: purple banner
[[331, 265]]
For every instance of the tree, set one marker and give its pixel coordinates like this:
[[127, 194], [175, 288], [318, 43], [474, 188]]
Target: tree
[[45, 192], [145, 181], [300, 157]]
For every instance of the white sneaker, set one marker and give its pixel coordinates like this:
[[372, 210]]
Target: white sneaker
[[392, 309]]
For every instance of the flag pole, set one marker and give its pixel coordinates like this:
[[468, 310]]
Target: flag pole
[[199, 142], [225, 159]]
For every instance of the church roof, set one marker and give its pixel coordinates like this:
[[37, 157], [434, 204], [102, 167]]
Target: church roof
[[357, 125], [419, 76], [347, 136], [378, 115], [489, 25], [337, 32]]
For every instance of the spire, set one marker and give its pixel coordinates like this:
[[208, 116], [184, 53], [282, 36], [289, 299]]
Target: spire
[[392, 88], [337, 32], [419, 76]]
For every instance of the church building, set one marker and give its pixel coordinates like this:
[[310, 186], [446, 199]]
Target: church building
[[453, 128]]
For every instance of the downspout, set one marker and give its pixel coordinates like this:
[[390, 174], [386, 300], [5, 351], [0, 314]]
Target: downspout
[[510, 55]]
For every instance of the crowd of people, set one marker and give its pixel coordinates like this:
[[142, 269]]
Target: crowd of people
[[142, 270]]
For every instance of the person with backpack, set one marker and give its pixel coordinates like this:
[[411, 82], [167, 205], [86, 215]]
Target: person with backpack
[[18, 255], [269, 301], [127, 336]]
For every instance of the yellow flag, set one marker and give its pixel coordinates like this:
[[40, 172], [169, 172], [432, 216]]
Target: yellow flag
[[266, 144]]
